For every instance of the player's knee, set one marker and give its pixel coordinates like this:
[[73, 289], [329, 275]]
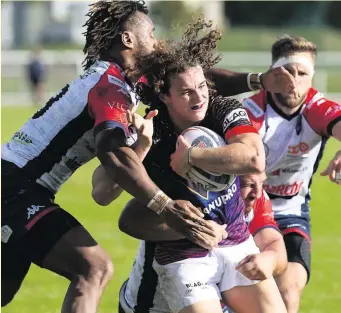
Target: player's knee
[[101, 270], [291, 296]]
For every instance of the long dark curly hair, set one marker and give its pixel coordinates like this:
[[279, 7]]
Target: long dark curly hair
[[197, 48], [106, 20]]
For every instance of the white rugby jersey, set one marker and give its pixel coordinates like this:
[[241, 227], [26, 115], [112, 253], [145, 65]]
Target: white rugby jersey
[[293, 147], [59, 138]]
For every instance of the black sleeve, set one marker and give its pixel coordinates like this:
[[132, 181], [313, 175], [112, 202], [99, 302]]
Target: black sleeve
[[225, 114]]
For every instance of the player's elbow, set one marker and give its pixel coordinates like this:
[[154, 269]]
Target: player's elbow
[[99, 199], [257, 164], [124, 225], [104, 195]]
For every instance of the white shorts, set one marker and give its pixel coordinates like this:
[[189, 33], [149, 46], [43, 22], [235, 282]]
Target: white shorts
[[192, 280]]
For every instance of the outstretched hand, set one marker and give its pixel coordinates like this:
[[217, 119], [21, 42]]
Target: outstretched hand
[[279, 80], [144, 126], [333, 169]]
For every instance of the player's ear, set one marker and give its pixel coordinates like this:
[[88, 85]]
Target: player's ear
[[128, 39]]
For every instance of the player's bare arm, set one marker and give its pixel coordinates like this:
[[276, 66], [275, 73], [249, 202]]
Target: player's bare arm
[[229, 83], [243, 155], [141, 223], [270, 241], [271, 261], [333, 169], [105, 190]]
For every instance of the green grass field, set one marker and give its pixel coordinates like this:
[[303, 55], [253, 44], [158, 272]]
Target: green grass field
[[43, 292]]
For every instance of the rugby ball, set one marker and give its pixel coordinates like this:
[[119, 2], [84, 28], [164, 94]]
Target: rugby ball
[[203, 137]]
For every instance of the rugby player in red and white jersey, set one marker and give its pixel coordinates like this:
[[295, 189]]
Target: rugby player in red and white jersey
[[294, 130], [141, 293]]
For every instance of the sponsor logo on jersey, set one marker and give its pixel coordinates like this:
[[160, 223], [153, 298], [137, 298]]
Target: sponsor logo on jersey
[[334, 109], [302, 147], [73, 164], [6, 232], [33, 209], [295, 225], [118, 105], [196, 284], [253, 108], [284, 189], [22, 138], [233, 117], [116, 81], [294, 170], [222, 200]]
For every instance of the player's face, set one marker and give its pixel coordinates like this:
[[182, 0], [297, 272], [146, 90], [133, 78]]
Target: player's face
[[145, 39], [303, 77], [251, 187], [187, 99]]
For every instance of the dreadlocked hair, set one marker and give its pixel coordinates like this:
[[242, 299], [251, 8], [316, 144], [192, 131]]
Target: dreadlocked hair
[[171, 58], [106, 20]]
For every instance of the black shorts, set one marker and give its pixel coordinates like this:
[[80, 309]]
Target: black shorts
[[298, 250], [32, 223]]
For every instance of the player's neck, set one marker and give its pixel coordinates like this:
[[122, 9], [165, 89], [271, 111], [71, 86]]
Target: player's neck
[[126, 62], [180, 125], [285, 109]]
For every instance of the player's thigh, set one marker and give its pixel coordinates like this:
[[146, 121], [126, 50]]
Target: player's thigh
[[186, 282], [75, 252], [263, 297], [51, 237], [14, 267]]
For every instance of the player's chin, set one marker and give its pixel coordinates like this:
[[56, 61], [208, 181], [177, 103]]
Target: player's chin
[[249, 204], [198, 115]]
